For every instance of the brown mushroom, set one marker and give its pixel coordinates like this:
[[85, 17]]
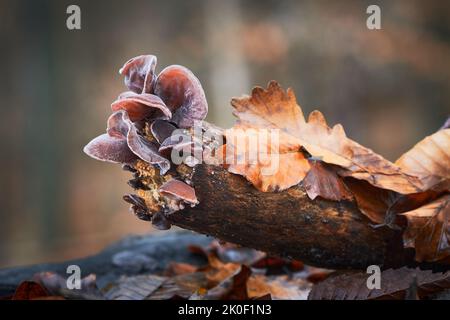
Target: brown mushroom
[[179, 190], [141, 106], [123, 144], [140, 73], [111, 146], [183, 94], [161, 130]]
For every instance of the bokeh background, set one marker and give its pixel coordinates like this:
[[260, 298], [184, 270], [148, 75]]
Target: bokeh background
[[389, 88]]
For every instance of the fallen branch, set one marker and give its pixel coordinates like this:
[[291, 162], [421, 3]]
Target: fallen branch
[[275, 181], [322, 233]]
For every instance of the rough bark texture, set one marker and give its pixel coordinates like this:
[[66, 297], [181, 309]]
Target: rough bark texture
[[321, 233]]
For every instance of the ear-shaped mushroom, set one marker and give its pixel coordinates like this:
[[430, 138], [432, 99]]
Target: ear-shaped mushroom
[[161, 130], [112, 146], [183, 94], [140, 73], [177, 141], [141, 106], [190, 146], [179, 190], [123, 144], [140, 146]]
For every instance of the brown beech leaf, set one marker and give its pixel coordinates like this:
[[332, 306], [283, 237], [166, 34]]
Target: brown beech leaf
[[182, 286], [395, 283], [322, 180], [428, 230], [134, 288], [273, 108], [233, 287], [429, 159], [372, 201]]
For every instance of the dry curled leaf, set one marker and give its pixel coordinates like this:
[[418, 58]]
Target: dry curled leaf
[[429, 159], [134, 288], [428, 230], [322, 180], [275, 109], [233, 287], [278, 287], [394, 285]]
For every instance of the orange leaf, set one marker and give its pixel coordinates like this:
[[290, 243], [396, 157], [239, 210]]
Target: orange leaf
[[274, 109]]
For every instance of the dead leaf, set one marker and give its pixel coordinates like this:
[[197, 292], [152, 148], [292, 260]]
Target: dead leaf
[[178, 268], [217, 271], [134, 288], [232, 288], [394, 285], [182, 286], [373, 202], [428, 230], [429, 159], [322, 180], [269, 164], [279, 287], [275, 109], [29, 290]]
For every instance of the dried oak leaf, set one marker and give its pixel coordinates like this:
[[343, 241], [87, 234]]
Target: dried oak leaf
[[275, 109], [394, 285], [428, 230]]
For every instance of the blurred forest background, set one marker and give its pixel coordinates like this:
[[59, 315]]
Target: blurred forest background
[[389, 88]]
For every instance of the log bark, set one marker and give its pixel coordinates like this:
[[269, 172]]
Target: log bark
[[321, 233]]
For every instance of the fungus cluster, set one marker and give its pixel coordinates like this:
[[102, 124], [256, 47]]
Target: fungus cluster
[[151, 121]]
